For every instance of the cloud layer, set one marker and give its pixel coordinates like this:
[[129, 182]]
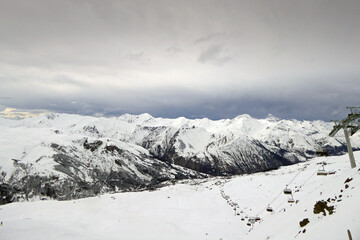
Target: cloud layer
[[294, 59]]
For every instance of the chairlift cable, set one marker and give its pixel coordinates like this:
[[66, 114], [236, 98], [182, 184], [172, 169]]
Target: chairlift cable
[[302, 169], [276, 197], [281, 204], [310, 177], [261, 211]]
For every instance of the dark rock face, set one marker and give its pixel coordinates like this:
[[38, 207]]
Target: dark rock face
[[171, 157], [112, 148], [321, 206], [92, 146], [6, 193], [255, 159], [304, 222], [94, 169]]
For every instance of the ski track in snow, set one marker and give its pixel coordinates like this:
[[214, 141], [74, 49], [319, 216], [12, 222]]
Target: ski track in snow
[[196, 209]]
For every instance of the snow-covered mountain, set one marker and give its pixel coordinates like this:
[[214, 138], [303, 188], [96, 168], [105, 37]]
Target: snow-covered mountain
[[325, 207], [67, 156]]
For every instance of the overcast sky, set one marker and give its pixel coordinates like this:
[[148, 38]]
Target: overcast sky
[[198, 58]]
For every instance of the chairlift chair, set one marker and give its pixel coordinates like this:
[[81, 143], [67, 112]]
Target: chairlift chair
[[257, 218], [322, 172], [269, 209], [291, 199], [287, 190]]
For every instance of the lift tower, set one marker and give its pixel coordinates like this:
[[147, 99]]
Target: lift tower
[[348, 123]]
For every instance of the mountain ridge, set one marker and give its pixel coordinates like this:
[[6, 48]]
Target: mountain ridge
[[74, 156]]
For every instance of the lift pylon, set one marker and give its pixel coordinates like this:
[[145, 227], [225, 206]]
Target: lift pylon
[[348, 123]]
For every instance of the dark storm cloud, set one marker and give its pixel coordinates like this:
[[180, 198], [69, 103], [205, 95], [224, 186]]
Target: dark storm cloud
[[203, 58], [306, 102]]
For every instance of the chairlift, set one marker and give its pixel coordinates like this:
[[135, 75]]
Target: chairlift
[[291, 199], [287, 190], [322, 172], [269, 209]]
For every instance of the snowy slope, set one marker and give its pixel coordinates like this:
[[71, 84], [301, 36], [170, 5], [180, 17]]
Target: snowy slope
[[68, 156], [197, 209]]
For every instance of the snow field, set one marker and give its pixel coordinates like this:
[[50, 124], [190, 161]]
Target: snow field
[[195, 209]]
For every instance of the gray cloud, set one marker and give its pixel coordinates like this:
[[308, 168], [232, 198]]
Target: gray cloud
[[300, 102], [66, 80], [294, 59], [139, 57], [174, 50], [214, 54], [210, 37]]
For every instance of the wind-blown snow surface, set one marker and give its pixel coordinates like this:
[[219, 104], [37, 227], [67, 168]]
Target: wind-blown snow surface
[[196, 209]]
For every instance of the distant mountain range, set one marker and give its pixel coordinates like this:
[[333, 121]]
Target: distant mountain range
[[65, 156]]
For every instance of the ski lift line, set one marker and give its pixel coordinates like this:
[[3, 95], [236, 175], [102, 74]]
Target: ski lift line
[[296, 175], [261, 211], [272, 202], [281, 192], [310, 177], [281, 204], [276, 197]]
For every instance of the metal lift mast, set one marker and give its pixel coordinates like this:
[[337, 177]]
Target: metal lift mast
[[348, 123]]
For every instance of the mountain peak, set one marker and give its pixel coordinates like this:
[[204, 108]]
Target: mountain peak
[[272, 118], [247, 116]]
